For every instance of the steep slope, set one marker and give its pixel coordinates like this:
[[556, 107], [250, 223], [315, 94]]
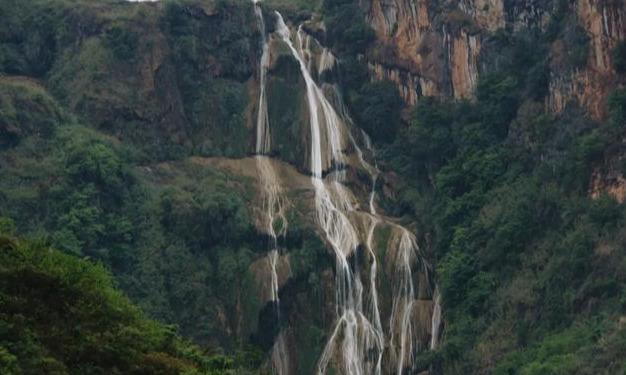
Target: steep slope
[[440, 48], [61, 315], [518, 188], [170, 78], [216, 157]]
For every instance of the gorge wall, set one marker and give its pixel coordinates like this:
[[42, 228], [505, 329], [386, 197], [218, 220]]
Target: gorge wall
[[206, 153], [439, 48]]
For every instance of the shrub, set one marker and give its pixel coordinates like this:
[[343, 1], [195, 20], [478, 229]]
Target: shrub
[[122, 42], [347, 29], [619, 57], [377, 110], [617, 107], [63, 315]]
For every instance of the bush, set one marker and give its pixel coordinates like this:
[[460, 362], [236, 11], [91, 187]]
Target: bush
[[619, 57], [347, 29], [26, 109], [377, 110], [617, 107], [122, 42], [577, 45], [455, 271], [28, 43], [63, 315]]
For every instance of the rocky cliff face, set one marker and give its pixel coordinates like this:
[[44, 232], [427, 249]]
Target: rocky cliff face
[[181, 69], [437, 48], [605, 24]]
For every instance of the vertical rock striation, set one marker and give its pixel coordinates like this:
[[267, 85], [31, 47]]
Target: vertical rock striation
[[434, 48]]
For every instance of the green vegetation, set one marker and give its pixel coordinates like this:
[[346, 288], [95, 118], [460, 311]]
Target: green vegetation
[[177, 236], [375, 106], [583, 348], [377, 109], [97, 123], [122, 42], [167, 78], [80, 191], [26, 50], [62, 315], [106, 107], [25, 109], [293, 10], [531, 269], [619, 57], [346, 28]]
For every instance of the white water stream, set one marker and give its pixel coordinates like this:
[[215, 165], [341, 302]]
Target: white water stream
[[357, 343], [274, 220]]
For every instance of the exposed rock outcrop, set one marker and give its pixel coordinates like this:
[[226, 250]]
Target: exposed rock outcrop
[[435, 48], [605, 24], [426, 52], [610, 182]]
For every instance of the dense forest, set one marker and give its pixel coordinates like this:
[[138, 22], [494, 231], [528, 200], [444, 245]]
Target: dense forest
[[129, 238]]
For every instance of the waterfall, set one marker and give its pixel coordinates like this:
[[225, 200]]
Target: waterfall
[[357, 342], [403, 291], [361, 340], [262, 123], [436, 320], [404, 296], [327, 61], [275, 221]]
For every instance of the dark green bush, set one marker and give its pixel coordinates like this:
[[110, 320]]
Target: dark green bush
[[619, 57], [347, 30], [122, 42], [577, 44], [63, 315], [26, 109], [377, 110], [617, 107], [28, 43]]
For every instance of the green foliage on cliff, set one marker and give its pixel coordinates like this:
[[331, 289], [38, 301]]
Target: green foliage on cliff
[[531, 268], [177, 235], [346, 28], [619, 57], [377, 109], [24, 49], [81, 192], [100, 126], [62, 315], [375, 106], [26, 109], [167, 77]]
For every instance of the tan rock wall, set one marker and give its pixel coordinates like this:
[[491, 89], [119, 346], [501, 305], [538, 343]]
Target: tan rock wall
[[605, 24]]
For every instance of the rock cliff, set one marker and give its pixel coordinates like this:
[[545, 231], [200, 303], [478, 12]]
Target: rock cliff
[[437, 48]]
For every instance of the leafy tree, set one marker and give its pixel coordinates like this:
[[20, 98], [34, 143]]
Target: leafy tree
[[347, 29], [63, 315], [619, 57], [122, 42], [377, 107]]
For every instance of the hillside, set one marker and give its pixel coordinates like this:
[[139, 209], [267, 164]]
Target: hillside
[[336, 186], [62, 315]]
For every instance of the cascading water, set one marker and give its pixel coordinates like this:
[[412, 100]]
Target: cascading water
[[357, 343], [262, 125], [403, 292], [436, 320], [353, 326], [327, 61], [275, 221], [401, 329]]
